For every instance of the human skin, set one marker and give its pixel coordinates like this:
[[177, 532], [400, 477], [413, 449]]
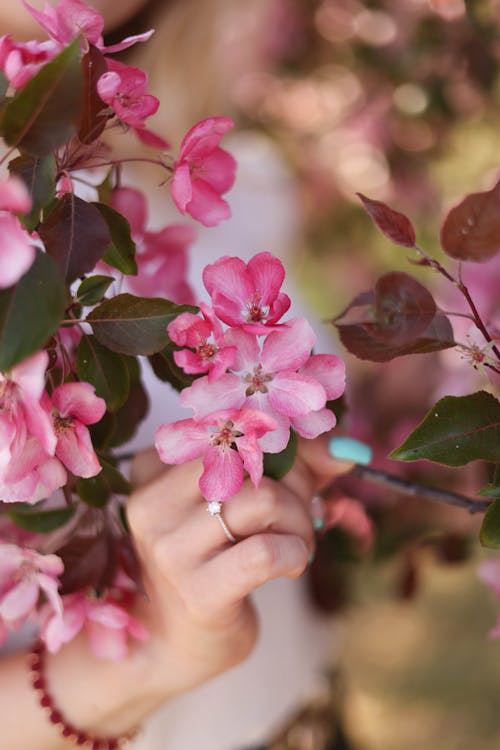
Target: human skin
[[197, 608], [15, 19]]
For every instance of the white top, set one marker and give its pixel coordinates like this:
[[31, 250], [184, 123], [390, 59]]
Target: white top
[[242, 707]]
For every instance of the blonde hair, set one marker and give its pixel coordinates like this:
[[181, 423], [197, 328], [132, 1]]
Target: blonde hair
[[182, 63]]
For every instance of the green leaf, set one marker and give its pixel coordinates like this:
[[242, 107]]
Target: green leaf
[[75, 235], [4, 84], [30, 311], [41, 521], [121, 253], [457, 429], [39, 176], [489, 534], [134, 325], [96, 491], [105, 370], [277, 465], [92, 290], [46, 112], [491, 490], [165, 368], [117, 428]]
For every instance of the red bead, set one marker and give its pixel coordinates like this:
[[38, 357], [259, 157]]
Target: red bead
[[99, 745], [113, 745], [38, 683], [68, 731], [56, 717], [36, 665], [46, 701], [81, 738]]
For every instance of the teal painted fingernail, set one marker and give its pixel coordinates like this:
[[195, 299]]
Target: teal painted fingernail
[[349, 449], [318, 524], [310, 559]]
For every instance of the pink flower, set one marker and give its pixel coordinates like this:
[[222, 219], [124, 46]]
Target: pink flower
[[213, 357], [20, 61], [281, 379], [17, 252], [74, 17], [203, 172], [228, 442], [24, 574], [21, 412], [31, 475], [161, 257], [76, 405], [106, 623], [247, 294], [123, 88]]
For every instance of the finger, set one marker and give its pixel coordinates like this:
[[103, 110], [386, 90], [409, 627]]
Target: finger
[[220, 585], [163, 503], [146, 466], [271, 508], [316, 456]]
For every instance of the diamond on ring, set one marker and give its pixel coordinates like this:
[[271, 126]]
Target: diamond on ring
[[214, 507]]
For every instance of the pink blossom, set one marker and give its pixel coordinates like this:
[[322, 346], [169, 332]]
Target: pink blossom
[[76, 405], [280, 379], [161, 257], [71, 18], [31, 475], [17, 251], [21, 412], [24, 574], [211, 356], [247, 294], [203, 172], [228, 442], [105, 621], [123, 87], [20, 61]]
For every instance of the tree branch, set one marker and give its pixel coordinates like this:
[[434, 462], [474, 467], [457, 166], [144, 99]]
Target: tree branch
[[420, 490]]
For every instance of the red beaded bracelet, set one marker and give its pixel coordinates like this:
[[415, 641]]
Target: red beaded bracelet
[[36, 663]]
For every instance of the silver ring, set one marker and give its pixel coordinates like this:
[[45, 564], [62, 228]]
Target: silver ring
[[214, 507]]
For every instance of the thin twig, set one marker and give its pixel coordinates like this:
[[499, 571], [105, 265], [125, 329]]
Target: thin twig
[[420, 490]]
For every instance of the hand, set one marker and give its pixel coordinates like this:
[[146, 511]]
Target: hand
[[198, 583]]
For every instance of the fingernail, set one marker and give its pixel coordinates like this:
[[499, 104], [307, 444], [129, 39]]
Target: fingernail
[[349, 449], [310, 559], [318, 524]]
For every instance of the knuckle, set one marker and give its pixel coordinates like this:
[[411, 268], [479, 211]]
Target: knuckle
[[137, 514], [164, 554], [268, 501], [259, 556]]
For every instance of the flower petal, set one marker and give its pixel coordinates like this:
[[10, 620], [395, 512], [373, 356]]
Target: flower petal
[[228, 392], [315, 423], [329, 370], [289, 348], [222, 473], [181, 441], [295, 395]]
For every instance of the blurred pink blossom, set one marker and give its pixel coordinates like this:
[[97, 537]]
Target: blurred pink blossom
[[75, 406], [107, 624], [24, 574], [17, 251], [162, 259], [20, 61], [203, 172]]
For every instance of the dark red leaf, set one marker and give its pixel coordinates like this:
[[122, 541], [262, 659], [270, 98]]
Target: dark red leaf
[[93, 119], [471, 231], [75, 235], [395, 225], [403, 309]]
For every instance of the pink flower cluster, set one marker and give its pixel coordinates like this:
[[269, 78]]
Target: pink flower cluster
[[17, 251], [254, 391], [40, 435]]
